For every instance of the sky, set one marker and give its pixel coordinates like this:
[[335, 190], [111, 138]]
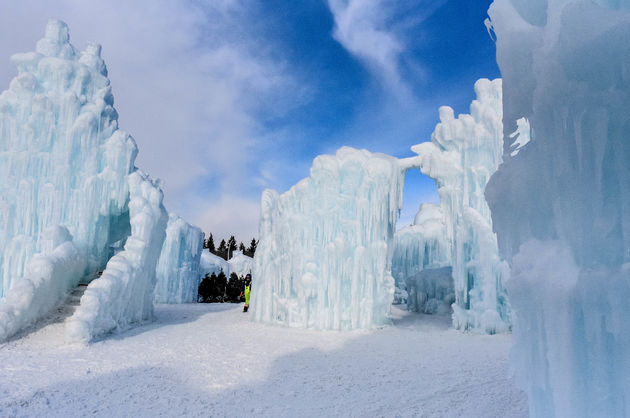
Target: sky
[[228, 97]]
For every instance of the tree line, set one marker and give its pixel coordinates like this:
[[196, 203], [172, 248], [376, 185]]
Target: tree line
[[216, 288], [226, 250]]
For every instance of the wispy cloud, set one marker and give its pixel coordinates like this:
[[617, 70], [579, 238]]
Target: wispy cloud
[[361, 27]]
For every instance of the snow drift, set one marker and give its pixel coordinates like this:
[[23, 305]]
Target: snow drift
[[323, 259], [461, 157], [561, 205]]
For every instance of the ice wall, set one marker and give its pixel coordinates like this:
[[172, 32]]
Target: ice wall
[[124, 294], [561, 205], [63, 160], [48, 276], [461, 157], [178, 272], [431, 291], [420, 246], [323, 259]]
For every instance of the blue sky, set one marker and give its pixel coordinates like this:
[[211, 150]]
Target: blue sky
[[228, 97]]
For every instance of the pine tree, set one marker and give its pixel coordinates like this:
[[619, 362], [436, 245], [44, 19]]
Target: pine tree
[[210, 245], [252, 247], [242, 248], [231, 246]]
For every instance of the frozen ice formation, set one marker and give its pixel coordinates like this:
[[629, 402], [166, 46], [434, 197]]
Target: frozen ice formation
[[65, 167], [431, 291], [323, 259], [178, 268], [461, 157], [124, 294], [48, 276], [561, 205], [63, 160], [421, 246]]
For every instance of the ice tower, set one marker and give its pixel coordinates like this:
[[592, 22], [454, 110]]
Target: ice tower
[[70, 193], [461, 157], [561, 205]]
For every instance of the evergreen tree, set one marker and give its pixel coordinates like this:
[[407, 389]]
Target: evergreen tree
[[252, 247], [206, 288], [242, 248], [231, 246], [221, 286], [210, 245]]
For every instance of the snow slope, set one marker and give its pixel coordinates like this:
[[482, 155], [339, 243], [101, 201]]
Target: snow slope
[[210, 360]]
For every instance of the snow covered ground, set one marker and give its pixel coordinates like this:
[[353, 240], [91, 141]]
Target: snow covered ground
[[210, 360]]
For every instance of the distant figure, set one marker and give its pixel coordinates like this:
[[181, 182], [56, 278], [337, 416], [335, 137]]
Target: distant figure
[[247, 291]]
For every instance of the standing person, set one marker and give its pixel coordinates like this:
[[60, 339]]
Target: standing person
[[247, 291]]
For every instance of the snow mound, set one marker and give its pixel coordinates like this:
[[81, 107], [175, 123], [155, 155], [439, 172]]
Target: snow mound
[[240, 264], [211, 263]]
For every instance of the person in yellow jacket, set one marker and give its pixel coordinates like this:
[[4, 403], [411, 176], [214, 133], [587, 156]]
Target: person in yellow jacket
[[247, 291]]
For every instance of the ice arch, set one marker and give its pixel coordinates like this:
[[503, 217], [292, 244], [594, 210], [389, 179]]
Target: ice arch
[[462, 155], [325, 252]]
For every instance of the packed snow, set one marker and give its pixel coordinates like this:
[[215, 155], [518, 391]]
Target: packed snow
[[561, 205], [324, 259], [461, 157], [211, 360]]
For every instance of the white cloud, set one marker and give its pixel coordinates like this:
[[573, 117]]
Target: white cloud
[[361, 27], [188, 79]]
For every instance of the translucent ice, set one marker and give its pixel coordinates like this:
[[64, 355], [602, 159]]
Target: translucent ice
[[561, 205], [461, 157], [65, 166], [48, 276], [323, 259], [417, 247], [124, 294], [62, 159], [178, 270]]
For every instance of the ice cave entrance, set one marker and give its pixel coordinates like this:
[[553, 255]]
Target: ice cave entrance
[[421, 264]]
